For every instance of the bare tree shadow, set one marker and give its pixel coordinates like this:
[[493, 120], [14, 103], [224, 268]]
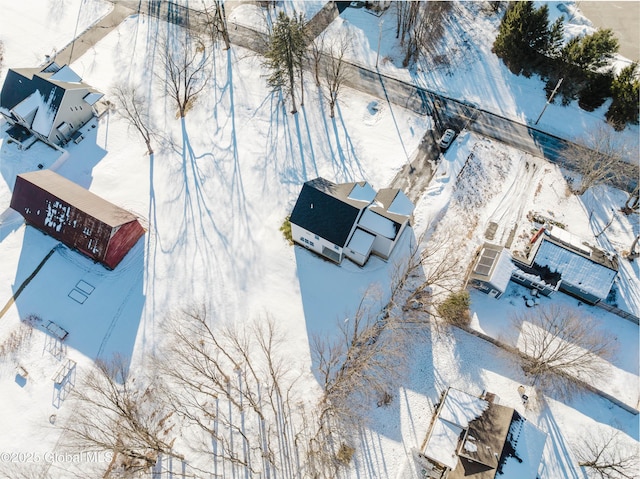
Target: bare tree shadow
[[289, 164], [559, 447]]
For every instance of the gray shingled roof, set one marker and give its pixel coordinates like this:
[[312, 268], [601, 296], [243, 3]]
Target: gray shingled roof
[[324, 209]]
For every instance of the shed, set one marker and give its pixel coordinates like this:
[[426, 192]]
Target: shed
[[73, 215], [492, 270]]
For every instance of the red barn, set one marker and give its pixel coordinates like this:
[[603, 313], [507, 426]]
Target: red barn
[[75, 216]]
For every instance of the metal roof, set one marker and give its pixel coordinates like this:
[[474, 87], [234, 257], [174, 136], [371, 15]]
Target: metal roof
[[576, 269], [493, 265], [79, 197]]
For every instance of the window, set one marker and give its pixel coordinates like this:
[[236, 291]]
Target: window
[[311, 243], [335, 246], [317, 237]]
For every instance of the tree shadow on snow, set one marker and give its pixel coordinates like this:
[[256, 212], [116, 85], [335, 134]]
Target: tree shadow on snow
[[331, 295]]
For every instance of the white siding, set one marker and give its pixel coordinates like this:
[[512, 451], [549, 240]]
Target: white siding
[[313, 242]]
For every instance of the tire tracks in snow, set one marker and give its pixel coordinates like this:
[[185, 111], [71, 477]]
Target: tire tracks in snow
[[511, 207]]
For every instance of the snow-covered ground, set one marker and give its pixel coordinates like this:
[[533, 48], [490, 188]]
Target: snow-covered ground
[[215, 194], [32, 29]]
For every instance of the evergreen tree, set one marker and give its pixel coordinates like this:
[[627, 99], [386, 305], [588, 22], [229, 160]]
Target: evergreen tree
[[523, 37], [596, 89], [591, 52], [625, 90], [285, 54], [556, 38]]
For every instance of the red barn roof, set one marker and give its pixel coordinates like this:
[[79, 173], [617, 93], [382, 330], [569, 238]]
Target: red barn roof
[[75, 216], [81, 198]]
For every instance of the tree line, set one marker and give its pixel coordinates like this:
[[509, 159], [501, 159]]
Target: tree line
[[529, 44]]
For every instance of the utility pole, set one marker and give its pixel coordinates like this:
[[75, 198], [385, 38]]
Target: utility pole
[[379, 40], [549, 100]]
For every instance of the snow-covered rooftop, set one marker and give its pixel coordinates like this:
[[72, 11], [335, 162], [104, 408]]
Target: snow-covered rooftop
[[401, 205], [362, 192], [361, 242], [378, 224], [45, 116], [528, 442], [575, 269], [67, 75], [461, 408], [443, 443], [29, 105]]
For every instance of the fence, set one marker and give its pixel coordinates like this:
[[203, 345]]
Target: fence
[[623, 314]]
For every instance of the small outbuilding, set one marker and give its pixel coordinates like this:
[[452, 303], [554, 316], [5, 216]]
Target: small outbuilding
[[492, 270], [73, 215]]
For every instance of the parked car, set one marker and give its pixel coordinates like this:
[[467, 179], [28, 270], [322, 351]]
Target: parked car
[[446, 139]]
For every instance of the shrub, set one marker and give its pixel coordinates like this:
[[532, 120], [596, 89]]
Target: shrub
[[345, 453], [455, 309], [286, 230]]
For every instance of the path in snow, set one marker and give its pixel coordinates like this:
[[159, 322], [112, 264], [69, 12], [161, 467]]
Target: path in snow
[[510, 209]]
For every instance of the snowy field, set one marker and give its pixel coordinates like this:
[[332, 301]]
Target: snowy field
[[215, 194]]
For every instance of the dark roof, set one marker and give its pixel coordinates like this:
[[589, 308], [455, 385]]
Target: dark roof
[[19, 133], [484, 442], [79, 197], [324, 209], [17, 87], [20, 83]]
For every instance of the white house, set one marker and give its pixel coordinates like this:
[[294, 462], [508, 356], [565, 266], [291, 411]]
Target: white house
[[49, 103], [349, 219]]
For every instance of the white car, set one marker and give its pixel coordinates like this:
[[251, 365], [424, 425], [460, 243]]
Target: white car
[[447, 138]]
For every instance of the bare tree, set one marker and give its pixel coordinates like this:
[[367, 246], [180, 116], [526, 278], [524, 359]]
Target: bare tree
[[634, 250], [216, 22], [362, 362], [599, 156], [562, 347], [114, 413], [605, 455], [317, 49], [406, 15], [133, 107], [236, 387], [335, 72], [633, 201], [184, 59]]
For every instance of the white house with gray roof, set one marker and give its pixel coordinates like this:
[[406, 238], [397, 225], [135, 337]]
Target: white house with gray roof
[[49, 103], [349, 219]]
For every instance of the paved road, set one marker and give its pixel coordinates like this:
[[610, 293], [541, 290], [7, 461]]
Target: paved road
[[94, 34], [447, 112], [622, 17]]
